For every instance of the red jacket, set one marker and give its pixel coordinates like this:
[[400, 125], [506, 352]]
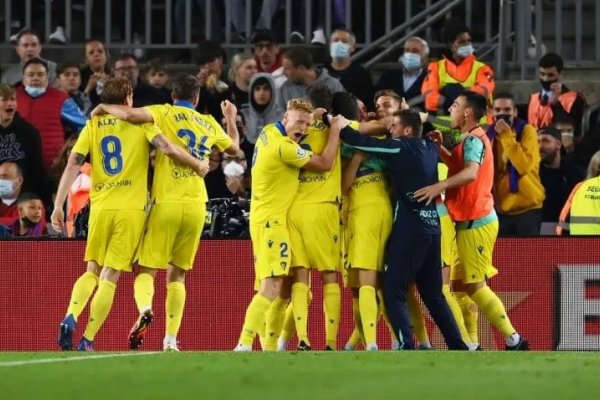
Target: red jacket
[[44, 113]]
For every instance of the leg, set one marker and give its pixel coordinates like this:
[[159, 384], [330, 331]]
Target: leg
[[267, 11], [143, 292], [357, 333], [300, 304], [368, 309], [174, 306], [469, 310], [331, 307], [416, 318], [276, 315]]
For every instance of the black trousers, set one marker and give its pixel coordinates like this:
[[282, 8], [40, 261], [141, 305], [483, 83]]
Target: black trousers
[[416, 258]]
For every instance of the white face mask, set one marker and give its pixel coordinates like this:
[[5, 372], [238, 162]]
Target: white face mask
[[339, 50], [7, 188], [465, 51], [234, 168], [35, 91], [411, 61]]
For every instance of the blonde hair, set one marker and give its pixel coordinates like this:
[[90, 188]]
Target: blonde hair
[[300, 105], [7, 91], [236, 63], [594, 166]]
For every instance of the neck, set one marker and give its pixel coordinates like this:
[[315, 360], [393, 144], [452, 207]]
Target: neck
[[468, 125], [310, 77], [340, 63], [243, 86], [457, 59], [6, 121], [554, 162], [97, 69], [411, 73]]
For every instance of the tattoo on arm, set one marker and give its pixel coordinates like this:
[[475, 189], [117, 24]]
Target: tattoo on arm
[[79, 158], [159, 142]]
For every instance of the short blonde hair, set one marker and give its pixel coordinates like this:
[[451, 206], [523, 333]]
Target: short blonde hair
[[594, 166], [7, 91], [300, 105], [237, 62]]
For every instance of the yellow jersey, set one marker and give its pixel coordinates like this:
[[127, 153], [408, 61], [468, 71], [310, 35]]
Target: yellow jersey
[[275, 167], [198, 133], [119, 152], [319, 187]]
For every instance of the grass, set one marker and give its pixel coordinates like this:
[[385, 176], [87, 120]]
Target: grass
[[310, 376]]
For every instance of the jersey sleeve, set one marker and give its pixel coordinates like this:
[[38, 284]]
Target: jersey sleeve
[[158, 112], [473, 150], [152, 130], [291, 153], [82, 146]]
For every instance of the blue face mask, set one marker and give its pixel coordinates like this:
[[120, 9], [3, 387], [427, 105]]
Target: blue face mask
[[465, 51], [339, 50], [6, 188], [411, 61], [35, 91]]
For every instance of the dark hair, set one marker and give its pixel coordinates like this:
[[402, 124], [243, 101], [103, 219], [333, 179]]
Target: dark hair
[[208, 51], [298, 56], [452, 30], [411, 119], [550, 60], [63, 67], [125, 57], [28, 31], [320, 96], [476, 102], [36, 61], [506, 96], [185, 87], [157, 65], [344, 103], [26, 196], [116, 91]]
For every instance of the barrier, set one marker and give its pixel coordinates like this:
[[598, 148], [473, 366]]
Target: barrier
[[550, 286]]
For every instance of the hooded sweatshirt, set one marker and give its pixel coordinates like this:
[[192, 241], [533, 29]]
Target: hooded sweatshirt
[[258, 116]]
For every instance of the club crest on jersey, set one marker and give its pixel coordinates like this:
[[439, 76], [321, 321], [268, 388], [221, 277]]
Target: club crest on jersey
[[301, 152]]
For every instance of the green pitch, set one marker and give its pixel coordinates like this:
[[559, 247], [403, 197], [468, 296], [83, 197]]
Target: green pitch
[[306, 376]]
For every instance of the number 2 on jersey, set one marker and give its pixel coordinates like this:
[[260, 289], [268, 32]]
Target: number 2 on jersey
[[112, 160]]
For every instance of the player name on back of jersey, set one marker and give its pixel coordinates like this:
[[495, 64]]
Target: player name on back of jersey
[[182, 117], [107, 122]]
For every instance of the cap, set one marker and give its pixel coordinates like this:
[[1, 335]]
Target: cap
[[552, 131], [263, 35]]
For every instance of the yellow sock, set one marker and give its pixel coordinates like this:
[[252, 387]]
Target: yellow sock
[[255, 319], [354, 339], [174, 305], [470, 314], [289, 325], [494, 310], [300, 305], [367, 301], [100, 307], [456, 312], [273, 322], [332, 308], [82, 290], [143, 291], [416, 317], [383, 313]]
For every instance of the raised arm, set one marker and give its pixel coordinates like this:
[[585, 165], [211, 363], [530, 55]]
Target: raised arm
[[229, 111], [326, 160]]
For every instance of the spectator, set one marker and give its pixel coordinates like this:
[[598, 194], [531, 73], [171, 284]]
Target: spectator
[[69, 81], [519, 193], [126, 66], [559, 175], [213, 90], [11, 182], [157, 76], [96, 71], [456, 72], [30, 221], [555, 100], [28, 47], [46, 108], [245, 145], [236, 178], [408, 79], [301, 74], [268, 55], [354, 77], [243, 68], [581, 213], [263, 108], [20, 143], [567, 132], [215, 179]]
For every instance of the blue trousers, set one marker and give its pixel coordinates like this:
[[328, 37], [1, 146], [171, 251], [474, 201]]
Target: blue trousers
[[416, 258]]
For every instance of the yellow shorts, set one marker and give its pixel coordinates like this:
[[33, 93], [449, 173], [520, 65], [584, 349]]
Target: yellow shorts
[[113, 237], [449, 249], [315, 236], [172, 235], [475, 249], [271, 247], [369, 227]]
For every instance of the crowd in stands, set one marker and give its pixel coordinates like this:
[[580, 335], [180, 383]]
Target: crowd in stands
[[539, 156]]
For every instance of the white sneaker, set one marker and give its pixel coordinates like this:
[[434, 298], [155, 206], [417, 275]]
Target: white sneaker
[[349, 347], [281, 344], [372, 347], [319, 37], [170, 347], [243, 348], [395, 344], [58, 36], [296, 38]]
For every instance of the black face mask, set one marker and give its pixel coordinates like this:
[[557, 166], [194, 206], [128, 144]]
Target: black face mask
[[546, 84], [28, 223], [505, 117]]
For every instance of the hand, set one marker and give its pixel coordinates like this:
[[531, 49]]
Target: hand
[[93, 81], [338, 120], [229, 110], [371, 116], [203, 167], [502, 126], [318, 113], [436, 137], [404, 105], [430, 193], [424, 116], [555, 88], [58, 219], [235, 184], [98, 110]]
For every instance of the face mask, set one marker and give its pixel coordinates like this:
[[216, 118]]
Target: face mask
[[234, 169], [6, 188], [505, 117], [27, 222], [546, 84], [35, 91], [339, 50], [465, 51], [411, 61]]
